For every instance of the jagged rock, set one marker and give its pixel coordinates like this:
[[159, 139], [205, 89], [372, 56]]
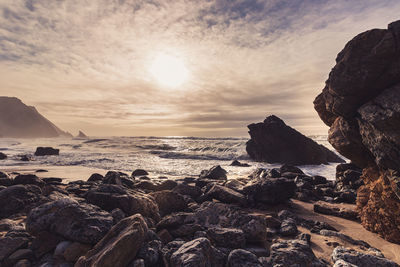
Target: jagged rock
[[169, 202], [198, 252], [110, 197], [2, 156], [360, 259], [294, 252], [95, 177], [189, 190], [18, 198], [227, 237], [139, 172], [169, 249], [119, 246], [288, 228], [83, 223], [216, 173], [330, 209], [360, 103], [270, 191], [242, 258], [151, 253], [81, 135], [273, 141], [45, 151]]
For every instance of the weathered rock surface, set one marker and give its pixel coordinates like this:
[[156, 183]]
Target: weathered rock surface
[[242, 258], [119, 246], [350, 256], [169, 202], [18, 198], [83, 223], [273, 141], [361, 104], [215, 173], [331, 209]]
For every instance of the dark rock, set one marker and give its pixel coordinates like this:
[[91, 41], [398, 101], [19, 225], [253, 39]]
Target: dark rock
[[9, 245], [350, 256], [169, 202], [151, 253], [198, 252], [189, 190], [25, 179], [270, 191], [294, 252], [52, 180], [95, 177], [289, 168], [288, 228], [75, 250], [169, 249], [328, 209], [41, 171], [139, 172], [344, 237], [119, 246], [225, 195], [110, 197], [273, 141], [83, 223], [242, 258], [45, 151], [165, 236], [227, 237], [239, 164], [25, 157], [2, 156], [216, 173], [4, 175], [18, 198]]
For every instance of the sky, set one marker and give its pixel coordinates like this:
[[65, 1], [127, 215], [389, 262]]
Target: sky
[[94, 65]]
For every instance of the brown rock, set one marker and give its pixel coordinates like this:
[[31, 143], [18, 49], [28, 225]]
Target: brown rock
[[169, 202], [75, 250], [119, 246], [329, 209]]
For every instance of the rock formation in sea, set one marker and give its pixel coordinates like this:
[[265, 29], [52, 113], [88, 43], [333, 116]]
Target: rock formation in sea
[[361, 104], [273, 141], [81, 135], [18, 120]]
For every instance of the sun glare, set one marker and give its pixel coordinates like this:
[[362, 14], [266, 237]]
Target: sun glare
[[169, 71]]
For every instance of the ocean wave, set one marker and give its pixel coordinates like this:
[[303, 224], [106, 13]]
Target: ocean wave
[[95, 140], [203, 156], [157, 147], [88, 161]]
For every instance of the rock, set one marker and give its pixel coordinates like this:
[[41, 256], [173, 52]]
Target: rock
[[289, 168], [227, 237], [273, 141], [81, 135], [45, 151], [216, 173], [110, 197], [119, 246], [83, 223], [225, 195], [360, 259], [139, 172], [28, 179], [165, 236], [95, 177], [329, 209], [25, 157], [189, 190], [270, 191], [18, 198], [169, 202], [2, 156], [60, 248], [360, 103], [235, 184], [242, 258], [344, 237], [75, 250], [9, 245], [293, 253], [169, 249], [44, 243], [151, 253], [288, 228], [4, 175], [198, 252], [239, 164], [137, 263]]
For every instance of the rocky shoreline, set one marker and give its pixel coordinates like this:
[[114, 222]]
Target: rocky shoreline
[[132, 220]]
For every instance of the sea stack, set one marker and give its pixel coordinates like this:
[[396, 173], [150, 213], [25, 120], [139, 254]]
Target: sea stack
[[81, 135], [361, 104], [273, 141]]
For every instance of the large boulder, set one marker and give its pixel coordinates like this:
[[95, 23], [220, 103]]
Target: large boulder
[[370, 258], [216, 173], [273, 141], [119, 246], [2, 156], [361, 104], [66, 217], [270, 190]]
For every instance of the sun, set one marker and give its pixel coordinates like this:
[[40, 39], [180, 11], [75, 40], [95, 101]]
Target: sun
[[169, 71]]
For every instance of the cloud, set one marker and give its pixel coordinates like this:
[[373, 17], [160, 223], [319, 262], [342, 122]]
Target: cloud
[[85, 63]]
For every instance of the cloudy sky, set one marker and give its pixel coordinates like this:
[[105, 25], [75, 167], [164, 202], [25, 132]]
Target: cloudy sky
[[102, 65]]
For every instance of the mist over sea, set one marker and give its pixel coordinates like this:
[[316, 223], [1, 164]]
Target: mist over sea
[[161, 156]]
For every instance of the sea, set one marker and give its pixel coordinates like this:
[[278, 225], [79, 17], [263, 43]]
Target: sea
[[173, 156]]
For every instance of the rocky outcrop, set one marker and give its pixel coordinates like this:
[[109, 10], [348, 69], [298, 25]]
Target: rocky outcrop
[[361, 104], [46, 151], [81, 135], [273, 141], [2, 156], [18, 120]]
